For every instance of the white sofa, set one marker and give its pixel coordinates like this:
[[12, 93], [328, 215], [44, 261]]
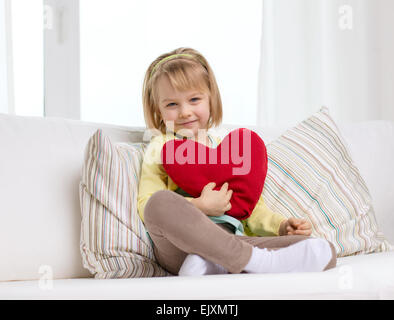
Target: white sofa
[[40, 169]]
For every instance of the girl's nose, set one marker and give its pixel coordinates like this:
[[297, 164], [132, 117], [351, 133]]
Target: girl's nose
[[185, 111]]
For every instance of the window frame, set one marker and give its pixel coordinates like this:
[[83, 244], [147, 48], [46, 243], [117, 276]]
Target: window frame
[[7, 90], [62, 75], [61, 59]]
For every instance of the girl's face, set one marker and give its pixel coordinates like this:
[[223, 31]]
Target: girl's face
[[185, 109]]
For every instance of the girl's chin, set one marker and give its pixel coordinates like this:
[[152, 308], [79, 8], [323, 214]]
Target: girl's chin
[[186, 132]]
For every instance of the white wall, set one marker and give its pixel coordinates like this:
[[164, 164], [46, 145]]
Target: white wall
[[383, 53], [359, 66], [349, 70], [292, 62], [316, 60]]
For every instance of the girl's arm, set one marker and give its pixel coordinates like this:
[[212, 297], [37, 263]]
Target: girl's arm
[[153, 177], [263, 221]]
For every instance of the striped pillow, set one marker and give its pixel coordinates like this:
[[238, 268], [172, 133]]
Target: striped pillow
[[311, 175], [114, 243]]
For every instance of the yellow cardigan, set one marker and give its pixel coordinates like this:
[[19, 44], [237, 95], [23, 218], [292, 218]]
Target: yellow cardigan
[[262, 221]]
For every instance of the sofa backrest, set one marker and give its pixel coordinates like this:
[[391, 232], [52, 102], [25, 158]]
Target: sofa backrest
[[371, 145], [40, 169]]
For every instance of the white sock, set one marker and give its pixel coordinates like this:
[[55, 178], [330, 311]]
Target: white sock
[[194, 265], [309, 255]]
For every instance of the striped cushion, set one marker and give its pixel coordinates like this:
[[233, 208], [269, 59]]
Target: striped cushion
[[311, 175], [113, 243]]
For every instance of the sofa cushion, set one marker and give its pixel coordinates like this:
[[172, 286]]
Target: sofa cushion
[[371, 145], [356, 277], [40, 169], [114, 242], [311, 175]]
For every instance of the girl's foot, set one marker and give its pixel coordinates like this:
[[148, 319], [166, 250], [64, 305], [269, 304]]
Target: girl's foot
[[194, 265]]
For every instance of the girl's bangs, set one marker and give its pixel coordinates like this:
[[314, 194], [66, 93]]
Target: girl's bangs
[[186, 77]]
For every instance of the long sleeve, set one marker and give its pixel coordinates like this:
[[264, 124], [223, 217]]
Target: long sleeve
[[263, 221], [153, 177]]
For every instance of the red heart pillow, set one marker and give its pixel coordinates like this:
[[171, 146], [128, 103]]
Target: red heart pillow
[[240, 160]]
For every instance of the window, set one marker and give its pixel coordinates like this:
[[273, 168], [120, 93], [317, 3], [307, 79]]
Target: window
[[119, 39], [27, 57], [94, 70]]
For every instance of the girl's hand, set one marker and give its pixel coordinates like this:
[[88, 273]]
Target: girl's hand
[[295, 226], [212, 202]]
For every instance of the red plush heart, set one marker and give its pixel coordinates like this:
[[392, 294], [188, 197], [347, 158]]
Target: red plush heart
[[240, 160]]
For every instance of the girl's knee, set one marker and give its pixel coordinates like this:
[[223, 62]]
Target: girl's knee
[[154, 208], [159, 197]]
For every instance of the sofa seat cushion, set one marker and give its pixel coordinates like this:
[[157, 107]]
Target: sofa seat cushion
[[367, 276]]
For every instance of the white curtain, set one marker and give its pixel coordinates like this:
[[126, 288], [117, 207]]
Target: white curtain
[[6, 89], [326, 52]]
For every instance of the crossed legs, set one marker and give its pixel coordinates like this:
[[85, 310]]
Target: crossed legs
[[178, 228]]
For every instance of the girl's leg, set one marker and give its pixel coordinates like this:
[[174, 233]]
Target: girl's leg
[[178, 228], [276, 243], [299, 253]]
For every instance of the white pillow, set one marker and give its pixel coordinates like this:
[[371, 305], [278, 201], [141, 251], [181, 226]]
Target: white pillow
[[114, 242], [311, 175]]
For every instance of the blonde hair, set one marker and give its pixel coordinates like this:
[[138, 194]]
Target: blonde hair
[[190, 70]]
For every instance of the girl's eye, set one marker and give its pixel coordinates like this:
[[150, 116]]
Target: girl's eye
[[173, 103]]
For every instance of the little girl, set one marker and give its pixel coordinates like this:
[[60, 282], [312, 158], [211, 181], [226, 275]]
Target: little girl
[[193, 236]]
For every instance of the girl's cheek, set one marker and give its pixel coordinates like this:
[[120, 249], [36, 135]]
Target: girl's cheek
[[170, 114], [174, 115]]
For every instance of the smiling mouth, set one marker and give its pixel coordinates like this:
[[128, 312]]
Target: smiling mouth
[[181, 124]]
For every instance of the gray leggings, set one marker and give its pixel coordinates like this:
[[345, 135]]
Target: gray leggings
[[178, 228]]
